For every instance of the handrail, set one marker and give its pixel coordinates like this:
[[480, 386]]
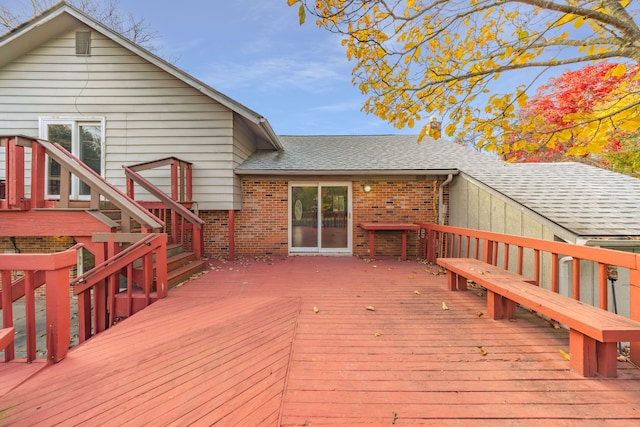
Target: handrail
[[609, 256], [153, 190], [106, 276], [97, 183], [175, 207], [52, 269]]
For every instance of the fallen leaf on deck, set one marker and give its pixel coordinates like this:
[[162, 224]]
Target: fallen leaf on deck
[[480, 294], [482, 351], [409, 277], [622, 358], [479, 314], [376, 334], [416, 292], [316, 310], [555, 326], [565, 354], [395, 417], [371, 308], [513, 320], [445, 306]]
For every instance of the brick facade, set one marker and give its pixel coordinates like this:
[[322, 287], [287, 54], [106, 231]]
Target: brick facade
[[261, 227]]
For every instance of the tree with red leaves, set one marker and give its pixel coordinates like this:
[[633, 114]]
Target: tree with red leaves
[[575, 96]]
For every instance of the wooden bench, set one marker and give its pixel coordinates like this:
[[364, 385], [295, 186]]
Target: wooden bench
[[593, 333]]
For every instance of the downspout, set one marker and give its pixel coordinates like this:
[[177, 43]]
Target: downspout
[[232, 232], [563, 272], [441, 205]]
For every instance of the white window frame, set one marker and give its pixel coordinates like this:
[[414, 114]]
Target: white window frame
[[75, 122]]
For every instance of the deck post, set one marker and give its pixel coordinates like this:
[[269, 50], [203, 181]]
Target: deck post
[[58, 314], [38, 167]]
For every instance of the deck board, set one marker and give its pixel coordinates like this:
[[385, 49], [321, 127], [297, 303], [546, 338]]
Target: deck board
[[242, 345]]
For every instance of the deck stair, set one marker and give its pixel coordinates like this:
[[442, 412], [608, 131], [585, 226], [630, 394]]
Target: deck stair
[[181, 265]]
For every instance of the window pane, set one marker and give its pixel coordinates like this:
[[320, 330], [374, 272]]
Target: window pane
[[90, 151], [304, 217], [62, 135]]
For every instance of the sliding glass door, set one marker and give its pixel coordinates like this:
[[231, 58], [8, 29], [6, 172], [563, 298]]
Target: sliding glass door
[[320, 217]]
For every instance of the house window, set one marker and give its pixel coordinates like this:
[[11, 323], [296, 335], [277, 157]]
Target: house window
[[83, 43], [82, 138]]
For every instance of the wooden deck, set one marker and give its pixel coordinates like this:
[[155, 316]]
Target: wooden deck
[[243, 345]]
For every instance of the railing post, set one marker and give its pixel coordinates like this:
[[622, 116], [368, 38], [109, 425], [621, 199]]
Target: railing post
[[15, 175], [58, 314], [175, 194], [7, 310], [634, 308], [161, 269], [38, 167], [487, 251], [189, 184]]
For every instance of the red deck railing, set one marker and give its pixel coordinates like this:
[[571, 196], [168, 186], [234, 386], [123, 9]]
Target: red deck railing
[[134, 264], [181, 224], [35, 270], [538, 259]]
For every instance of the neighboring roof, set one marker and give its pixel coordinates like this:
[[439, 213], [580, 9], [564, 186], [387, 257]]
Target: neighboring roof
[[362, 154], [587, 201], [63, 17]]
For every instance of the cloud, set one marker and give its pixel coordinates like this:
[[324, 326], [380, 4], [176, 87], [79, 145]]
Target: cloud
[[277, 73]]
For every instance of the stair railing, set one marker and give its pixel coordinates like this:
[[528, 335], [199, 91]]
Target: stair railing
[[69, 165], [183, 226], [104, 281]]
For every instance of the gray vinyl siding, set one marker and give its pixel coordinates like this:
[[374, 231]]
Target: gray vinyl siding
[[244, 145], [149, 113]]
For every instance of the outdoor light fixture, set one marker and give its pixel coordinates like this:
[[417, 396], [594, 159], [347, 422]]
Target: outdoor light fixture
[[366, 188]]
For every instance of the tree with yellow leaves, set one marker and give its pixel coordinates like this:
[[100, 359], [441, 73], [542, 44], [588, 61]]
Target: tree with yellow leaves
[[415, 58]]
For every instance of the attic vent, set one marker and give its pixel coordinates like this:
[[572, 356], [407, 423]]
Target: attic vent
[[83, 43]]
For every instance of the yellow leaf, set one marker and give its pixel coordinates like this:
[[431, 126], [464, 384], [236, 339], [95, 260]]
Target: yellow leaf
[[618, 71], [316, 310], [630, 125], [376, 334], [565, 354], [482, 351], [292, 2], [445, 306], [479, 314], [371, 308], [416, 292]]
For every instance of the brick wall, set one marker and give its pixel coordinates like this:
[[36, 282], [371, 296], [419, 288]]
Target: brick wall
[[35, 245], [262, 224]]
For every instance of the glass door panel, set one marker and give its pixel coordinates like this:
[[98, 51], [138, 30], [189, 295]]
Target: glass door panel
[[304, 217], [335, 210], [90, 151], [62, 134], [320, 220]]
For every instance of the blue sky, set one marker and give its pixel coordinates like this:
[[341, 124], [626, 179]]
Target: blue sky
[[255, 52]]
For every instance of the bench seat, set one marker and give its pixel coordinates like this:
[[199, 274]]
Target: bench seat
[[593, 335]]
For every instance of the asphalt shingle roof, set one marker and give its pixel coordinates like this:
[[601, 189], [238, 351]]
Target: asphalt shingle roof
[[588, 201], [361, 153]]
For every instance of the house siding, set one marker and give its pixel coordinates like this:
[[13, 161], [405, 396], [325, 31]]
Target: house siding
[[149, 114], [261, 227]]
